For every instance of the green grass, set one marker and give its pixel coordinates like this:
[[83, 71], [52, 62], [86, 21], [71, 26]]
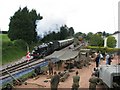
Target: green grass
[[4, 37], [10, 52]]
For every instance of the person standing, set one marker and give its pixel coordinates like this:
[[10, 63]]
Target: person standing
[[50, 67], [55, 81], [107, 59], [76, 80], [93, 81], [101, 57], [97, 59]]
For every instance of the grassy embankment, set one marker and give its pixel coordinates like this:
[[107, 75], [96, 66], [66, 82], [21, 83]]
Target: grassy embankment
[[10, 50]]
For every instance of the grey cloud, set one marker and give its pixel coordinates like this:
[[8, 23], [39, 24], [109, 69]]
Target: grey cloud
[[49, 24]]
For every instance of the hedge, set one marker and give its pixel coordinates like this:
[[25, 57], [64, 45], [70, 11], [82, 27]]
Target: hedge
[[104, 49]]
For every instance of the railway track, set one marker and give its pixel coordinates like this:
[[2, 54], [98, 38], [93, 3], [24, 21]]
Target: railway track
[[14, 74], [16, 67], [20, 67]]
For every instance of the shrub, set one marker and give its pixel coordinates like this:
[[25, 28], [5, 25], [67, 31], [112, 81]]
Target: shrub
[[104, 49]]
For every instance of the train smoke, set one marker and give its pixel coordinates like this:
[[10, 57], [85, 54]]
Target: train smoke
[[48, 25]]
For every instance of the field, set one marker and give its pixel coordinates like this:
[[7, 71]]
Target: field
[[4, 38], [10, 52]]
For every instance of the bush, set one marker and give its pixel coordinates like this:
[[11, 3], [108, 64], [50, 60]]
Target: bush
[[104, 49]]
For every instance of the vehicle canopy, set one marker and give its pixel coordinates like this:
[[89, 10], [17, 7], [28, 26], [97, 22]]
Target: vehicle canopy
[[108, 72]]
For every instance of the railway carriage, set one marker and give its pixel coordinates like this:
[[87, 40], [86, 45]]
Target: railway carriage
[[48, 48], [62, 43]]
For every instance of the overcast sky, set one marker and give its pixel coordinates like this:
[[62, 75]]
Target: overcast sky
[[83, 15]]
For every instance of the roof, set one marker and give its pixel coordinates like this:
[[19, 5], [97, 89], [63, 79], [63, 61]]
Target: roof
[[64, 54], [111, 68], [43, 45], [56, 54], [107, 72], [61, 41], [68, 55]]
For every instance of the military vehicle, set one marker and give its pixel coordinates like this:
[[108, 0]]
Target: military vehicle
[[110, 75]]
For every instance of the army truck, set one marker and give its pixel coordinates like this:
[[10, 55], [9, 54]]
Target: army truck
[[110, 75]]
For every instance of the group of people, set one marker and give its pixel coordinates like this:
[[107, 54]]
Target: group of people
[[55, 79], [93, 81], [99, 56]]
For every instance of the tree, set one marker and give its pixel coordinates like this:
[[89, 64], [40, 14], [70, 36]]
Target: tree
[[96, 40], [104, 33], [100, 33], [78, 34], [4, 32], [23, 24], [111, 42], [71, 31], [88, 36], [63, 32]]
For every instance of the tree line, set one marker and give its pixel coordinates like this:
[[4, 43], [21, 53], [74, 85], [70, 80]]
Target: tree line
[[23, 26], [97, 39], [63, 33], [4, 32]]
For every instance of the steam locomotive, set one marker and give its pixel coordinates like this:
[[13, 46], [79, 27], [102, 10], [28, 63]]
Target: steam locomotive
[[48, 48]]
